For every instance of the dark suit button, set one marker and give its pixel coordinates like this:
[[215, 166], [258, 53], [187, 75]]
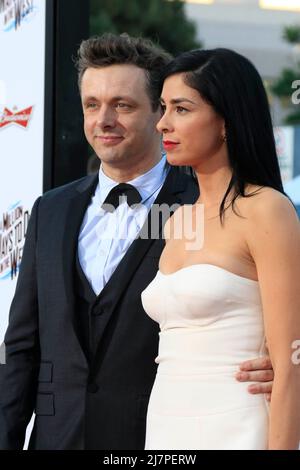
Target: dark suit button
[[97, 311], [92, 388]]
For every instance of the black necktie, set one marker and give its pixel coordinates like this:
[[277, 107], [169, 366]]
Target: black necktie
[[121, 190]]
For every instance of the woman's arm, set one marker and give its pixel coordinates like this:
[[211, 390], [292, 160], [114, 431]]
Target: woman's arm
[[274, 242]]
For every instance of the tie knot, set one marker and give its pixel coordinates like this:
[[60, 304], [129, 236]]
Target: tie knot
[[118, 193]]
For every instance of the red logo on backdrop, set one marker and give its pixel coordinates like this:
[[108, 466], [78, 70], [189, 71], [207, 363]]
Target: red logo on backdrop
[[21, 118]]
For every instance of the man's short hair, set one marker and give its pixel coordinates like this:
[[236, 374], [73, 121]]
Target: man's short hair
[[111, 49]]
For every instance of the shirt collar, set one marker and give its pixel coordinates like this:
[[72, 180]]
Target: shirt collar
[[146, 184]]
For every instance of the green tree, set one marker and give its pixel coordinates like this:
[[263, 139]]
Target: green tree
[[163, 21], [282, 87]]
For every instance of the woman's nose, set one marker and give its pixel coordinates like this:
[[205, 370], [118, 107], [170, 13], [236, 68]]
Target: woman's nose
[[163, 124]]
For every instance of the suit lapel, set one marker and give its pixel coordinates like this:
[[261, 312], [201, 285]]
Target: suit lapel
[[75, 210]]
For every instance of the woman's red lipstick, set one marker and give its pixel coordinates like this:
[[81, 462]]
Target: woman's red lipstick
[[169, 144]]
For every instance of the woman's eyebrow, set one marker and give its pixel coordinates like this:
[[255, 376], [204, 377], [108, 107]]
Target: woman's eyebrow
[[178, 101]]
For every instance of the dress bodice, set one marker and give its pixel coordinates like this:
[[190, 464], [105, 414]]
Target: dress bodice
[[214, 317]]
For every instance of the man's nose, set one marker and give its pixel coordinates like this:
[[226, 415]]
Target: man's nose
[[106, 117]]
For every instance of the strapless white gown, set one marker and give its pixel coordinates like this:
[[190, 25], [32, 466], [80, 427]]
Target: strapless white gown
[[211, 321]]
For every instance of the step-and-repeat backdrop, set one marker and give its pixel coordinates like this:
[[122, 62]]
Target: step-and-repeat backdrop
[[22, 70]]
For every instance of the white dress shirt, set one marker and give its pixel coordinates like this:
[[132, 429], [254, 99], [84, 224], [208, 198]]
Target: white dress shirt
[[104, 236]]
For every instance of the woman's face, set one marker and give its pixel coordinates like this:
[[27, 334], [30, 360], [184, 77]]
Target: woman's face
[[193, 132]]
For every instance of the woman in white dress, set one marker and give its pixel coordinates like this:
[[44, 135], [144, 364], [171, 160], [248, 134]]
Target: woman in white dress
[[219, 301]]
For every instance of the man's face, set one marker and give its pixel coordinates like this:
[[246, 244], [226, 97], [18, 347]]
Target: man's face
[[119, 122]]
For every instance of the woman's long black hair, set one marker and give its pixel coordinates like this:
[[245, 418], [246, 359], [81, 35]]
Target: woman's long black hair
[[233, 87]]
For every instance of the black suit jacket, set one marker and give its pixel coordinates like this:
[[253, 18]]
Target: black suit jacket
[[100, 404]]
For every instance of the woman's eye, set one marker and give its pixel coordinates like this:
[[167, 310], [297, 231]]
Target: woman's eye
[[180, 109]]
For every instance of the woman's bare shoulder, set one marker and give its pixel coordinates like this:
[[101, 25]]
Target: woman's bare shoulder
[[263, 200], [267, 208]]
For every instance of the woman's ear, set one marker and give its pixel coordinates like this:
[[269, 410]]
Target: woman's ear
[[224, 135]]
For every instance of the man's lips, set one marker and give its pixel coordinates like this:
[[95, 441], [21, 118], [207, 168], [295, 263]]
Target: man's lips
[[169, 144], [109, 139]]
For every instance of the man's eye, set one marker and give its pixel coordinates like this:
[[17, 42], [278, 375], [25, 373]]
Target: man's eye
[[163, 108], [91, 105], [123, 105]]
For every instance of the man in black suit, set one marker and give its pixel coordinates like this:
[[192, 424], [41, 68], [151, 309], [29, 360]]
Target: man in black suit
[[80, 349]]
